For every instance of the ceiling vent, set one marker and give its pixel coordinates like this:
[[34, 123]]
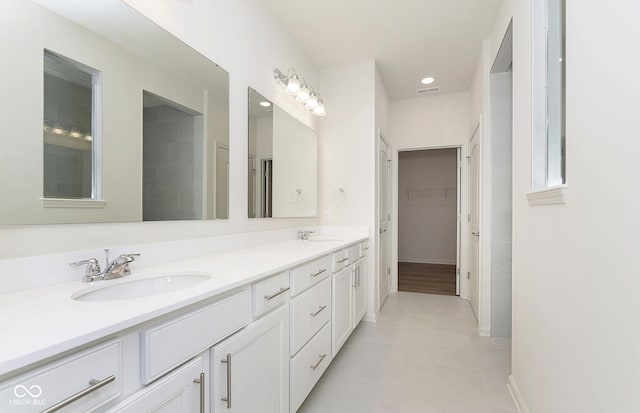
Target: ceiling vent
[[428, 90]]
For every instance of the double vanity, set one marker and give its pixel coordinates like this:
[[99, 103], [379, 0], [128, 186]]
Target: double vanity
[[247, 330]]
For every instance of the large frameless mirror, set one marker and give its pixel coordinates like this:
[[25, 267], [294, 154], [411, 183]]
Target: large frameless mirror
[[106, 117], [283, 163]]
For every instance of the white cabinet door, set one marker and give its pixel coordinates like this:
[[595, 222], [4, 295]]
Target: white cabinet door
[[251, 368], [359, 292], [181, 391], [341, 309]]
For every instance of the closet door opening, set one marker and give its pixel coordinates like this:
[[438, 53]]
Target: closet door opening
[[428, 221]]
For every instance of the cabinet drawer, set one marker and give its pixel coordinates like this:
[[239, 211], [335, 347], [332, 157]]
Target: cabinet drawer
[[339, 260], [179, 391], [98, 368], [310, 274], [169, 344], [308, 365], [309, 312], [353, 252], [270, 293], [364, 248]]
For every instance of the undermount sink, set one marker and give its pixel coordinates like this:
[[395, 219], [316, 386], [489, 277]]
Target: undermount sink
[[137, 288]]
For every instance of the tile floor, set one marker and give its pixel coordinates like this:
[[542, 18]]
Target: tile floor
[[423, 355]]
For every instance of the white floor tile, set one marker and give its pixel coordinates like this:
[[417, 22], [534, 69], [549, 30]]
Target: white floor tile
[[423, 355]]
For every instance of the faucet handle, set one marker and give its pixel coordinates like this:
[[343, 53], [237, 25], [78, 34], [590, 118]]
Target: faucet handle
[[130, 257], [92, 271]]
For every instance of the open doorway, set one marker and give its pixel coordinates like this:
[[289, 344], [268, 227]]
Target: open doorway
[[428, 224]]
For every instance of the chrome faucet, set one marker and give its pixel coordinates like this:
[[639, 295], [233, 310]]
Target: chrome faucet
[[304, 235], [114, 269]]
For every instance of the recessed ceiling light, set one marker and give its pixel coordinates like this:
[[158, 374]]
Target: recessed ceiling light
[[427, 80], [265, 104]]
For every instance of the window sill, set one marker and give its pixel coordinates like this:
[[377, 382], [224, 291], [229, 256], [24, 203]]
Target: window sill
[[548, 196], [72, 203]]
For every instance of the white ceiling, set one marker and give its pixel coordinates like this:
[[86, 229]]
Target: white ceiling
[[409, 39]]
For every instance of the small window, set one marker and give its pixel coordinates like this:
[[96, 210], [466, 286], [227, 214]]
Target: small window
[[70, 141], [549, 87], [556, 87]]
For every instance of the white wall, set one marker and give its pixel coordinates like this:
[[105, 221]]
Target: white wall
[[295, 167], [575, 286], [348, 152], [427, 213], [245, 40], [501, 172], [441, 120]]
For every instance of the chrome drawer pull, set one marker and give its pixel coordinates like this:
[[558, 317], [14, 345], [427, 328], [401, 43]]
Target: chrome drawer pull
[[315, 274], [319, 311], [315, 366], [228, 398], [272, 296], [343, 260], [202, 390], [94, 385]]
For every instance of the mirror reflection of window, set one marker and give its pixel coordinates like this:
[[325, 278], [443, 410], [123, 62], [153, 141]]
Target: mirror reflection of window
[[69, 138]]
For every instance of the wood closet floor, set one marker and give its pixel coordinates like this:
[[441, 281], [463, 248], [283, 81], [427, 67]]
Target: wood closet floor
[[427, 278]]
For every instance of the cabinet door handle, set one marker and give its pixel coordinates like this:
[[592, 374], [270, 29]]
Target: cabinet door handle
[[274, 295], [228, 398], [315, 366], [202, 390], [319, 311], [94, 385], [343, 260], [358, 276], [365, 248], [315, 274]]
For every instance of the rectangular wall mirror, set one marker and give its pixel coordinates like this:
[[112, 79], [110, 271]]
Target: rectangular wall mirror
[[283, 163], [107, 117]]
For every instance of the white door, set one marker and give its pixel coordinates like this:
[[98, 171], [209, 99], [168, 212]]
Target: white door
[[251, 173], [250, 370], [383, 219], [474, 227], [222, 182]]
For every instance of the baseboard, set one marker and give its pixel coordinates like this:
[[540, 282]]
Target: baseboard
[[517, 396], [426, 261]]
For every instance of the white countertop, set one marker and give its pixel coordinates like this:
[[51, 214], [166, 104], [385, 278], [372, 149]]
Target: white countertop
[[40, 323]]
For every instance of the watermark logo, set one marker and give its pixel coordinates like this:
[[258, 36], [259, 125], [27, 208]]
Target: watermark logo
[[27, 396], [21, 391]]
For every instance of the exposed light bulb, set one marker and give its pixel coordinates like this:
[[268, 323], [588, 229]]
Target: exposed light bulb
[[319, 110], [75, 133], [265, 104], [58, 129], [88, 138], [303, 94], [427, 80], [293, 85], [313, 101]]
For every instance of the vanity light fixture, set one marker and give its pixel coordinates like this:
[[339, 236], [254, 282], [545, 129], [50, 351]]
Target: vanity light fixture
[[302, 91]]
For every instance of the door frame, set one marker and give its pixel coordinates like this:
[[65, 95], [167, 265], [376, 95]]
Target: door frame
[[463, 227], [391, 210]]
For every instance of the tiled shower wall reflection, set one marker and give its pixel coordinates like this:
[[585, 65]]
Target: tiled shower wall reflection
[[173, 164]]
